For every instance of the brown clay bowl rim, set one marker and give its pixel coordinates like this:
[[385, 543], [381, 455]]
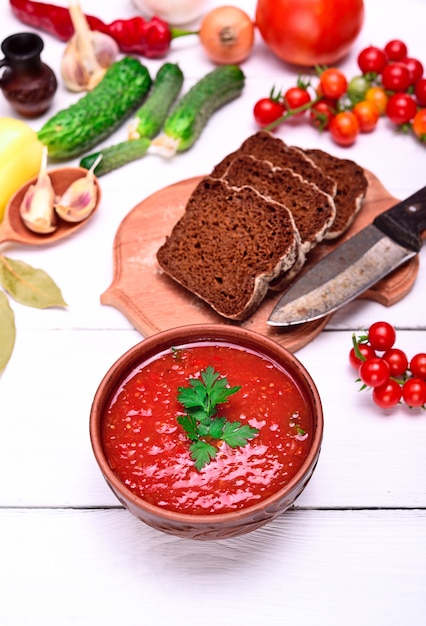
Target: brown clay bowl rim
[[191, 334]]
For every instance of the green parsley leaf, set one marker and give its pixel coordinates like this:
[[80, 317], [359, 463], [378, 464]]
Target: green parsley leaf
[[189, 424], [202, 453], [236, 434]]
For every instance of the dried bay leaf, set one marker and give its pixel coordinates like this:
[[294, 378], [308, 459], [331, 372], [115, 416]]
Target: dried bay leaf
[[28, 285], [7, 331]]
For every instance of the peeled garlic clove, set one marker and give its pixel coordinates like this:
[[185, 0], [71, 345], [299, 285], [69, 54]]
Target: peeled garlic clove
[[80, 199], [37, 207]]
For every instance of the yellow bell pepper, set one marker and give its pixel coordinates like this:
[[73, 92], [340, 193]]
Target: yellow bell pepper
[[20, 157]]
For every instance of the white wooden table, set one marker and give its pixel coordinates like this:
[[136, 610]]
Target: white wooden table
[[352, 551]]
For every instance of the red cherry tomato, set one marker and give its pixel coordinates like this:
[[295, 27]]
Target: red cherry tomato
[[401, 108], [420, 91], [396, 77], [367, 352], [372, 59], [397, 361], [418, 365], [396, 50], [387, 395], [414, 392], [419, 124], [333, 27], [415, 69], [344, 128], [367, 115], [296, 97], [267, 110], [374, 372], [381, 336], [322, 112], [332, 83]]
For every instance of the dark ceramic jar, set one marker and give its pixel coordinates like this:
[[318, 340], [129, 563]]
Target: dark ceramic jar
[[26, 82]]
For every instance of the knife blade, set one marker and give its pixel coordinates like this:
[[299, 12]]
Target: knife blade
[[394, 237]]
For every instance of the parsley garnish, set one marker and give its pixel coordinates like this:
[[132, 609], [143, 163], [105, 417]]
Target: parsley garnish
[[200, 422]]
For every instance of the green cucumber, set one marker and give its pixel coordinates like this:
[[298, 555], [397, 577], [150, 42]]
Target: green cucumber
[[150, 117], [191, 114], [99, 112], [116, 156]]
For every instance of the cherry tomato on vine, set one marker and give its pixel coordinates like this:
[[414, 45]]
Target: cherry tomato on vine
[[414, 392], [267, 110], [372, 59], [418, 365], [415, 69], [367, 115], [322, 112], [401, 108], [387, 395], [419, 124], [333, 83], [367, 352], [344, 128], [374, 372], [379, 97], [397, 361], [395, 77], [420, 91], [381, 336], [296, 97], [396, 50], [357, 88]]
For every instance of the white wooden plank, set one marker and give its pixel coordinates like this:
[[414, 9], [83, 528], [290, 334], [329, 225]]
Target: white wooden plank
[[104, 567]]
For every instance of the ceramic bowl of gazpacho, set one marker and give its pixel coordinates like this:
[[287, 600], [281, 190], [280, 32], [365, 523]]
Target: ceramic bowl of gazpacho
[[207, 431]]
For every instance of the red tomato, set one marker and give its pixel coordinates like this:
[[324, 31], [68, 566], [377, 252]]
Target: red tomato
[[401, 108], [396, 77], [397, 360], [374, 372], [371, 59], [396, 50], [387, 395], [309, 32], [344, 128], [381, 336], [267, 110], [367, 115], [332, 83], [415, 69], [414, 392], [321, 113], [419, 124], [366, 351], [420, 91], [296, 97], [418, 365]]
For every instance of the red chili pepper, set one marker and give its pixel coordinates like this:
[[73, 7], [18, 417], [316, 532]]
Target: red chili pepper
[[135, 35]]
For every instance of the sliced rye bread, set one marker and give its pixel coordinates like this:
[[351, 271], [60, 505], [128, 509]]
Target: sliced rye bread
[[312, 209], [263, 145], [351, 188], [228, 246]]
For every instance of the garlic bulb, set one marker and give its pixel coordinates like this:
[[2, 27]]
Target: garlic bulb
[[87, 54], [174, 12], [37, 207], [80, 199]]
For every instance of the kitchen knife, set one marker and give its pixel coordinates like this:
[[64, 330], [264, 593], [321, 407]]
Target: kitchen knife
[[394, 237]]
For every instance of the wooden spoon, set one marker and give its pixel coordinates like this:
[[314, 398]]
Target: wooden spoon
[[12, 228]]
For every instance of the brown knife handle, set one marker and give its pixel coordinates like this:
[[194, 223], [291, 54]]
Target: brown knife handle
[[406, 221]]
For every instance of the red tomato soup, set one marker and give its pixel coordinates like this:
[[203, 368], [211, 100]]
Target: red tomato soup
[[149, 451]]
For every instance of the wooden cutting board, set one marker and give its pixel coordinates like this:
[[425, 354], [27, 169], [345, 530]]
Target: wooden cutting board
[[152, 302]]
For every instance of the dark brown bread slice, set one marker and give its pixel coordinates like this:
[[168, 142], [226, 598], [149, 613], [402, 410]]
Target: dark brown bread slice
[[264, 146], [351, 188], [228, 246], [312, 209]]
